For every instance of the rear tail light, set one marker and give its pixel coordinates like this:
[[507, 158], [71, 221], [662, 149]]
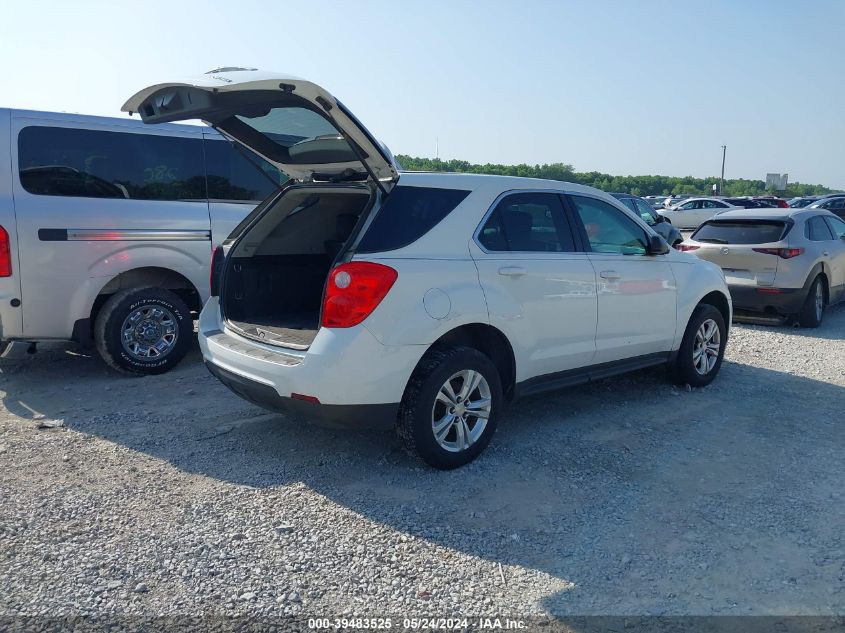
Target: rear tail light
[[687, 247], [784, 253], [216, 271], [5, 254], [783, 204], [353, 291]]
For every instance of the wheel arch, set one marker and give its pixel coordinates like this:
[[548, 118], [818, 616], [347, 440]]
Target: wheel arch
[[160, 277], [491, 342], [719, 301]]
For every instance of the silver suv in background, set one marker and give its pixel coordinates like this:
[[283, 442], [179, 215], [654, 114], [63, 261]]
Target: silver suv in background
[[107, 228], [777, 262]]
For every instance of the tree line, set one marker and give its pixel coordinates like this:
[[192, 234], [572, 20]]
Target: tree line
[[636, 185]]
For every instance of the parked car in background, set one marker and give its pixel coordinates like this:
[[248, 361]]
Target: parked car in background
[[655, 220], [802, 201], [106, 229], [834, 204], [362, 296], [772, 201], [692, 212], [777, 262]]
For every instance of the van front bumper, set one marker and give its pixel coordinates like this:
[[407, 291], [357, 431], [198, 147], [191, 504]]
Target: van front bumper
[[368, 416]]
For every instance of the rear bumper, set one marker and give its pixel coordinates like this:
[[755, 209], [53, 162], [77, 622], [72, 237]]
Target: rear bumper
[[359, 416], [777, 301]]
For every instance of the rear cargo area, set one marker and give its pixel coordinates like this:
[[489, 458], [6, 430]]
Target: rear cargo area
[[274, 280]]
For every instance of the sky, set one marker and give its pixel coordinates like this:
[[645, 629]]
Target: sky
[[627, 88]]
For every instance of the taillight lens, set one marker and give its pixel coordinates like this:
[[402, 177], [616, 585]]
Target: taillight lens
[[784, 253], [217, 258], [687, 247], [353, 291], [5, 254]]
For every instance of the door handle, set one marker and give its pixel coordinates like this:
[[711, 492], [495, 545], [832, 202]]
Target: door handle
[[609, 275], [512, 271], [826, 254]]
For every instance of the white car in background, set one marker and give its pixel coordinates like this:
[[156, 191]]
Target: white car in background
[[693, 212]]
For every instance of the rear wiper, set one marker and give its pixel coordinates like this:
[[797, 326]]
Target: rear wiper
[[713, 240]]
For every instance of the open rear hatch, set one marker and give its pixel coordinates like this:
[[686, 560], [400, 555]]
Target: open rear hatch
[[293, 123], [276, 268]]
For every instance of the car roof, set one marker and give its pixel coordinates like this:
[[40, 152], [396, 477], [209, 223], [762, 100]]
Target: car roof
[[445, 180], [770, 213]]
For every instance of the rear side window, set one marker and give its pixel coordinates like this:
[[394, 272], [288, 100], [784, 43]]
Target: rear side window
[[407, 215], [740, 232], [837, 226], [233, 176], [57, 161], [816, 230], [527, 223]]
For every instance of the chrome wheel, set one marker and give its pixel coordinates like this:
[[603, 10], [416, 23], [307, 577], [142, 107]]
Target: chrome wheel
[[461, 410], [819, 301], [150, 332], [705, 350]]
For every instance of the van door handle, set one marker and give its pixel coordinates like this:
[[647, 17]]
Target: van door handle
[[512, 271], [609, 275]]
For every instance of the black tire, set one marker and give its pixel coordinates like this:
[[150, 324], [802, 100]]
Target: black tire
[[684, 370], [110, 320], [811, 316], [417, 409]]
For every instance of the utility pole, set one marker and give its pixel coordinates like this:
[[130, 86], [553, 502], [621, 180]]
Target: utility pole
[[722, 179]]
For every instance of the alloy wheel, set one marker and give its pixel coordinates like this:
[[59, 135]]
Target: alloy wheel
[[461, 409], [705, 351], [149, 332]]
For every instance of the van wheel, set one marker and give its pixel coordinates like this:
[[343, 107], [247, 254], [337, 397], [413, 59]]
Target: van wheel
[[143, 330], [702, 348], [813, 311], [450, 408]]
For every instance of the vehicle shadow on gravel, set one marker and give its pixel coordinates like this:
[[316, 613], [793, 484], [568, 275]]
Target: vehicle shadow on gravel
[[622, 490]]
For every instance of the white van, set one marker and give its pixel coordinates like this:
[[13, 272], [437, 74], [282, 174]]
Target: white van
[[107, 227]]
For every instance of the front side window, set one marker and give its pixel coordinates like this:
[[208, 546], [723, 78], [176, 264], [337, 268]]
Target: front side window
[[688, 206], [233, 176], [816, 230], [528, 223], [645, 212], [58, 161], [608, 229]]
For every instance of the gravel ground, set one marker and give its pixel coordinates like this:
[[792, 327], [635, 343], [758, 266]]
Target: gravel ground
[[169, 495]]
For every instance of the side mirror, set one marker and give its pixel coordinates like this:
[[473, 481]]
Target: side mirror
[[657, 245]]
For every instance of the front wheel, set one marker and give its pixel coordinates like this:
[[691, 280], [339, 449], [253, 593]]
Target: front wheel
[[143, 330], [450, 407], [702, 348]]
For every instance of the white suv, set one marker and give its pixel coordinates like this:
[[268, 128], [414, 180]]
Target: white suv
[[364, 297]]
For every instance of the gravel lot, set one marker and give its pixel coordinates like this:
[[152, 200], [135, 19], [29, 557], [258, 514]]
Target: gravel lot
[[169, 495]]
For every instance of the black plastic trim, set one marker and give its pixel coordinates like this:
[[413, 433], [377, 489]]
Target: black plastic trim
[[353, 416], [52, 235], [572, 377]]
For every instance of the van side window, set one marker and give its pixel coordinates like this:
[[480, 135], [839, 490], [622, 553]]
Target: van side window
[[59, 161], [231, 176]]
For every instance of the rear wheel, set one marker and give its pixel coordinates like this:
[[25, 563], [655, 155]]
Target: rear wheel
[[813, 311], [702, 348], [143, 330], [450, 407]]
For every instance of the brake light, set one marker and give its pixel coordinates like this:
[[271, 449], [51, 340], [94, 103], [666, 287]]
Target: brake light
[[216, 270], [353, 291], [687, 247], [784, 253], [5, 254]]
